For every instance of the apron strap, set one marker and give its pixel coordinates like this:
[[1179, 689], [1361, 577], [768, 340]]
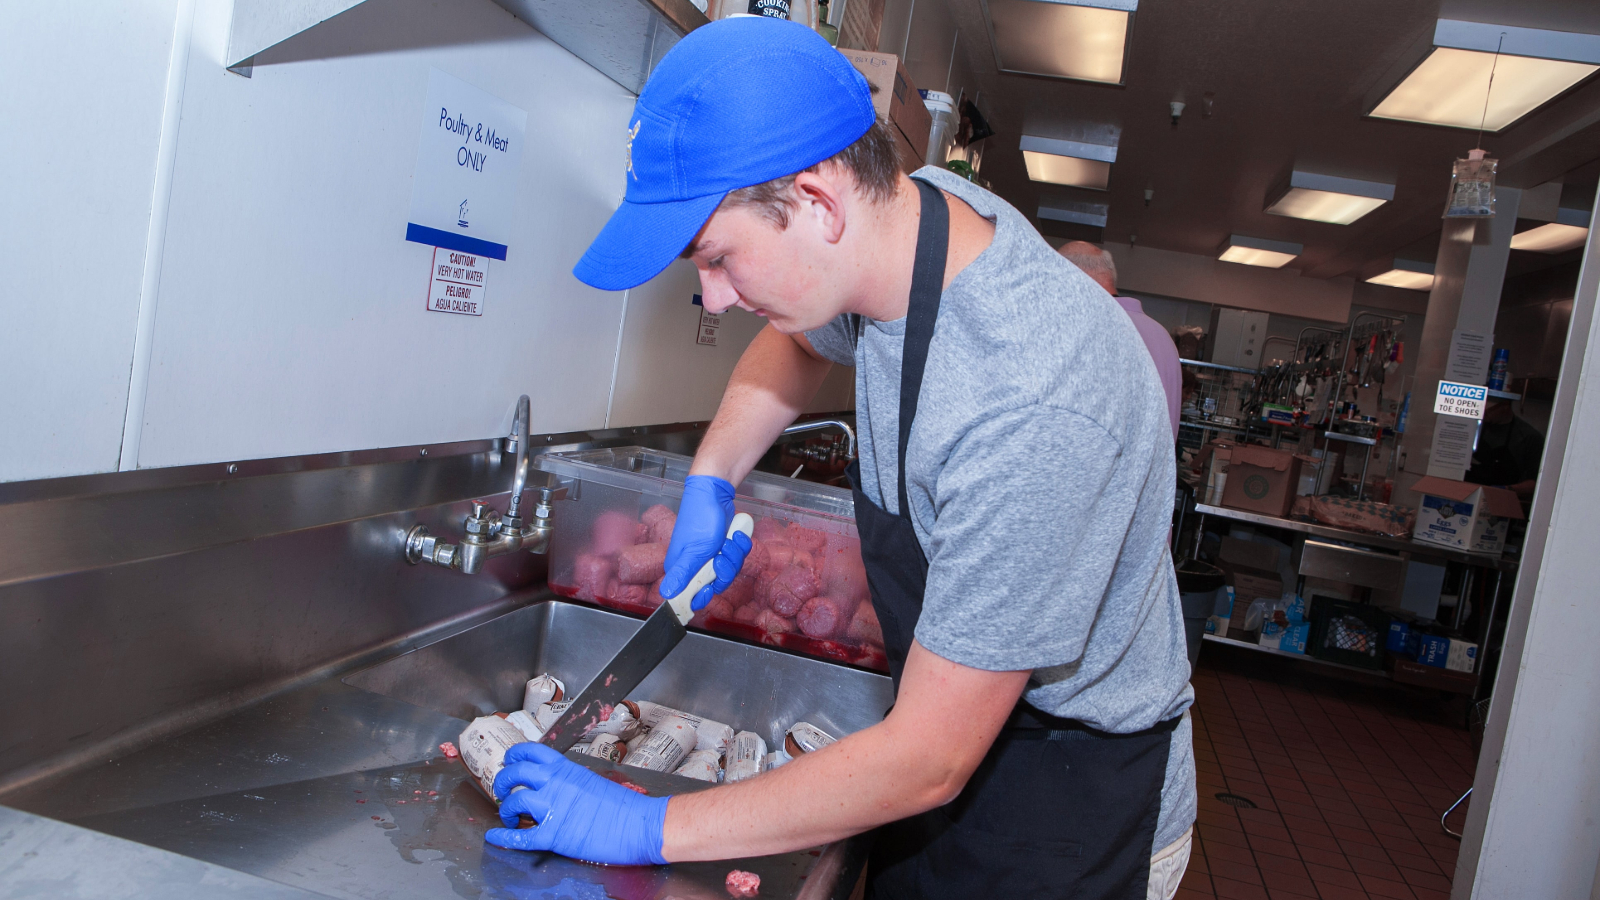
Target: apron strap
[[927, 284]]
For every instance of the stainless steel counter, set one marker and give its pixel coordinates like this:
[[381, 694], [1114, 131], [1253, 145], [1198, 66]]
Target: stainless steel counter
[[338, 788]]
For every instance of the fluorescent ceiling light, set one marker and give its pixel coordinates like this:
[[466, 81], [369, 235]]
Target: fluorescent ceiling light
[[1408, 274], [1073, 163], [1552, 237], [1084, 40], [1326, 198], [1448, 86], [1251, 251], [1077, 212]]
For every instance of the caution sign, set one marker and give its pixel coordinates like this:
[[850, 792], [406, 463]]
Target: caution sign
[[1464, 400], [457, 282]]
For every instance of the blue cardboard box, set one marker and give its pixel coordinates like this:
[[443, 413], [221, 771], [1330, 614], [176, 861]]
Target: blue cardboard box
[[1433, 650], [1401, 639]]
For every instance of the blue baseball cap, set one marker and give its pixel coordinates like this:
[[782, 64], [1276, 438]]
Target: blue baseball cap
[[736, 103]]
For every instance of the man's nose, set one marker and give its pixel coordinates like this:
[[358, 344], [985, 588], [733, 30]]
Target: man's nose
[[717, 297]]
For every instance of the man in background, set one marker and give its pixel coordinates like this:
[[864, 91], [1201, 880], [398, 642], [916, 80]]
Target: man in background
[[1098, 265], [1508, 451]]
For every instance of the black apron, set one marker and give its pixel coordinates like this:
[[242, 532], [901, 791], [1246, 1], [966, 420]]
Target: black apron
[[1056, 809]]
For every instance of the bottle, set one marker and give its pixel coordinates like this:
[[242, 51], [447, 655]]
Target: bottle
[[1497, 369], [775, 9], [942, 109], [829, 33]]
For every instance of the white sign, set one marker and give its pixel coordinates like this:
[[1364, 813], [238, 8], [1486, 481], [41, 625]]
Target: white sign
[[1457, 399], [709, 324], [1469, 357], [457, 282], [1451, 453], [463, 195]]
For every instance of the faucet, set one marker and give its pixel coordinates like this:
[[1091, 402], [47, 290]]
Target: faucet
[[487, 533], [829, 454]]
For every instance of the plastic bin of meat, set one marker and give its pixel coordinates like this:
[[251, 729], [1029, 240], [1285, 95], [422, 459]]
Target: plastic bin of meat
[[802, 588]]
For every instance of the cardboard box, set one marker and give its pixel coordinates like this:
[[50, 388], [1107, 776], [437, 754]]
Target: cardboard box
[[1248, 586], [1445, 653], [1465, 516], [909, 160], [1261, 480], [895, 98], [1406, 671]]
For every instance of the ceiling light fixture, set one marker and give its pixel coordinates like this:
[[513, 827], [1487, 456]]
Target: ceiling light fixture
[[1447, 85], [1327, 198], [1251, 251], [1076, 212], [1567, 232], [1072, 163], [1408, 274], [1084, 40]]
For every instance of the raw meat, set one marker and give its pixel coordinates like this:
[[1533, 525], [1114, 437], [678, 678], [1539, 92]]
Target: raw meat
[[642, 563], [449, 750], [864, 627], [627, 593], [773, 623], [590, 574], [655, 514], [743, 884], [742, 591], [613, 531], [792, 589], [825, 617], [808, 539], [720, 607], [748, 614], [758, 558], [661, 528], [779, 555], [769, 529]]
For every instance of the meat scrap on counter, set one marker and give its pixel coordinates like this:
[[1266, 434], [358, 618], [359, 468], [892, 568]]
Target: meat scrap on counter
[[800, 588], [635, 733]]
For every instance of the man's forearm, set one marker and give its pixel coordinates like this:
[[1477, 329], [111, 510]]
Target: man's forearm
[[942, 724], [774, 380]]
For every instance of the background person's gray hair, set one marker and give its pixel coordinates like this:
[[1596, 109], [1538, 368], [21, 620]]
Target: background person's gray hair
[[1095, 262]]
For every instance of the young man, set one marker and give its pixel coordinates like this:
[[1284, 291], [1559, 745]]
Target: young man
[[1014, 493]]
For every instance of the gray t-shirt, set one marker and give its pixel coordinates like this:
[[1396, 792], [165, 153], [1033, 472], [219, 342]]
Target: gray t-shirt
[[1040, 474]]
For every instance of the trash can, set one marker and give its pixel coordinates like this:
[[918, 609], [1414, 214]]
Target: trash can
[[1198, 583]]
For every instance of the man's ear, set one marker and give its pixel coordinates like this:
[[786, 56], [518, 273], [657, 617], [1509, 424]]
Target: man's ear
[[822, 199]]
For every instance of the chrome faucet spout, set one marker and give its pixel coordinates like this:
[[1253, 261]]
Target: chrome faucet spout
[[519, 434], [849, 433]]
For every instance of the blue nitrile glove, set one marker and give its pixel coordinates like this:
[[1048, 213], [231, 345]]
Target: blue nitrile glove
[[580, 814], [701, 534]]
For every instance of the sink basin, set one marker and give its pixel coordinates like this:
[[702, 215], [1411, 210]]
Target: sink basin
[[751, 688]]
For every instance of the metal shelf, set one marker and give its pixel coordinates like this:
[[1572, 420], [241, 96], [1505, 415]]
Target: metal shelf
[[1303, 657], [1503, 395], [1210, 365], [1415, 548], [1350, 438]]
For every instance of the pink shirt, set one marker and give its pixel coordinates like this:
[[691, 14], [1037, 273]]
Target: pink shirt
[[1163, 351]]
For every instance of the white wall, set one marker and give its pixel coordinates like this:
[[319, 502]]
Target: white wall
[[289, 314], [82, 97]]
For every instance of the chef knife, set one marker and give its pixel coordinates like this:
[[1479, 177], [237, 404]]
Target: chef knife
[[637, 659]]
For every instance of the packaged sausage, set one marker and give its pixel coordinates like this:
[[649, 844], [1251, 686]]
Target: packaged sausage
[[525, 723], [604, 746], [775, 759], [547, 714], [669, 742], [745, 757], [709, 735], [483, 747], [701, 765], [804, 737], [622, 723], [542, 689]]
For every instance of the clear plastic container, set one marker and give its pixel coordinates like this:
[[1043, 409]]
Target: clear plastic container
[[803, 587]]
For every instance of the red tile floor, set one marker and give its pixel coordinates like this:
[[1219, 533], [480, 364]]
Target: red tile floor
[[1349, 780]]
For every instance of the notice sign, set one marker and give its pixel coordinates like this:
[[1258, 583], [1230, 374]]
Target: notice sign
[[1464, 400], [464, 192], [458, 282], [709, 323]]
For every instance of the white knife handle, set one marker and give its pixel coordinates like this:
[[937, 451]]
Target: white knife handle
[[743, 524]]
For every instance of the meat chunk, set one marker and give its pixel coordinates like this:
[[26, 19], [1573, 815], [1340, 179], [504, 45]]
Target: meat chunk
[[742, 591], [772, 623], [623, 592], [661, 529], [655, 514], [864, 627], [758, 559], [825, 617], [808, 539], [590, 575], [792, 589], [748, 614], [612, 531], [642, 563], [769, 529], [743, 884]]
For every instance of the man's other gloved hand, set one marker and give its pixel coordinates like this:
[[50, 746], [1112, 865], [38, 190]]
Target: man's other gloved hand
[[580, 814], [701, 535]]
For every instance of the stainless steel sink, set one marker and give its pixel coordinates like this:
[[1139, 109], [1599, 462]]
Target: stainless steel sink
[[752, 688]]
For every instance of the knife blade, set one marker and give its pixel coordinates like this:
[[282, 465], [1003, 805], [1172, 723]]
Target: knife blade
[[637, 659]]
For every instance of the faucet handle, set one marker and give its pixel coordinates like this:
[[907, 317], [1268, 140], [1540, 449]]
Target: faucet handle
[[478, 509]]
